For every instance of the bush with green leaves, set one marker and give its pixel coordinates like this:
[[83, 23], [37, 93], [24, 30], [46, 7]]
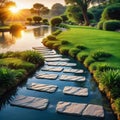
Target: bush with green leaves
[[7, 77], [56, 46], [73, 52], [45, 21], [57, 32], [115, 92], [33, 57], [81, 56], [64, 50], [65, 42], [64, 26], [49, 44], [81, 47], [55, 21], [111, 12], [88, 61], [100, 25], [111, 25], [111, 79], [117, 105], [100, 55], [51, 37]]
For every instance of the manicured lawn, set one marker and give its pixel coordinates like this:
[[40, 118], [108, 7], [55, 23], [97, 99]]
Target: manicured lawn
[[94, 39]]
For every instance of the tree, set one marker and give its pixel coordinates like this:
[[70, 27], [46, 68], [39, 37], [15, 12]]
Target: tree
[[37, 19], [83, 4], [56, 21], [30, 20], [64, 18]]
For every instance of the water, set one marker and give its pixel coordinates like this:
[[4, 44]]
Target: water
[[29, 39]]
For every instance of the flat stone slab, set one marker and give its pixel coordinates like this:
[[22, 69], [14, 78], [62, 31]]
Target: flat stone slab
[[61, 64], [80, 109], [42, 87], [47, 76], [70, 70], [56, 59], [30, 102], [72, 78], [52, 56], [40, 48], [75, 91], [52, 69]]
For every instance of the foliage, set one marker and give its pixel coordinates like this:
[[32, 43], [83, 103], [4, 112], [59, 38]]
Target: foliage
[[49, 44], [30, 20], [15, 27], [64, 50], [117, 104], [37, 19], [64, 18], [45, 21], [100, 25], [55, 21], [62, 25], [81, 56], [81, 47], [51, 37], [100, 55], [111, 78], [32, 56], [65, 42], [73, 52], [115, 92], [57, 32], [88, 61], [7, 77], [111, 12], [111, 25], [56, 46]]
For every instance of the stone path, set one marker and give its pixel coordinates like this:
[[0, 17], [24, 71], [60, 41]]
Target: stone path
[[42, 87], [55, 63], [30, 102], [80, 109]]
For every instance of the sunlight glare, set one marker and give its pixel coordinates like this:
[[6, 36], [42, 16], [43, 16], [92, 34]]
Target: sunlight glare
[[14, 10]]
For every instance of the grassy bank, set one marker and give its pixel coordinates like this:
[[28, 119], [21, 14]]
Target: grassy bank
[[99, 51], [16, 66]]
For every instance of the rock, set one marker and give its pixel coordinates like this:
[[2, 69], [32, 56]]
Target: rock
[[42, 87], [61, 64], [72, 78], [93, 110], [30, 102], [52, 69], [52, 56], [40, 48], [80, 109], [75, 91], [47, 76], [56, 59], [70, 70]]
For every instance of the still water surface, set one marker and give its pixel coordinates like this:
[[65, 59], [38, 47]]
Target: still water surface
[[31, 38]]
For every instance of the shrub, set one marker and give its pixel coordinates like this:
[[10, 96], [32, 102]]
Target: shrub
[[56, 46], [45, 21], [100, 25], [64, 50], [57, 32], [49, 44], [65, 42], [64, 26], [88, 61], [111, 78], [81, 47], [55, 21], [16, 27], [100, 55], [93, 67], [7, 77], [111, 12], [33, 57], [81, 56], [51, 37], [115, 92], [117, 105], [111, 25], [73, 52], [44, 40]]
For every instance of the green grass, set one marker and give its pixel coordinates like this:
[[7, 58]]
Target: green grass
[[94, 39]]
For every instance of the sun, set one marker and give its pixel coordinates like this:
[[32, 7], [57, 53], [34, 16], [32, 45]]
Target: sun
[[14, 10]]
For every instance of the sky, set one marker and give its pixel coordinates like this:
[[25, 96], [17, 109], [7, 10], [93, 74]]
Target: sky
[[29, 3]]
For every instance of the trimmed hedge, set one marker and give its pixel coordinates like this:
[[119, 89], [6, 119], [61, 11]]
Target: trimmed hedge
[[100, 25], [111, 25]]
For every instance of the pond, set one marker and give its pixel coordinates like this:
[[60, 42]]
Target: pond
[[32, 38]]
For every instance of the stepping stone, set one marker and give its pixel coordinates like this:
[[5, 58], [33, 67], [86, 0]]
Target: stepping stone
[[72, 78], [30, 102], [80, 109], [52, 56], [56, 59], [75, 91], [47, 76], [42, 87], [40, 48], [61, 64], [52, 69], [70, 70]]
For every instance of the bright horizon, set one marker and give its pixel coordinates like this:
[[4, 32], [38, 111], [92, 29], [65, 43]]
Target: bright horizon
[[21, 4]]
